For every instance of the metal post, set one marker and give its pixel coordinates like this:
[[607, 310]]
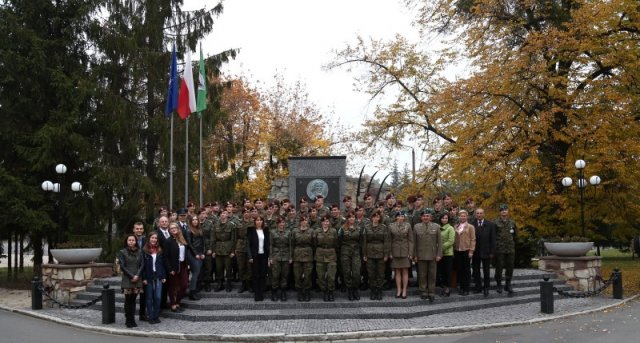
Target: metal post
[[108, 305], [546, 295], [582, 183], [617, 284], [36, 294]]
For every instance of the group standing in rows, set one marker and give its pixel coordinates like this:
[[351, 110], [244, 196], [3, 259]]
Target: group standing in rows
[[274, 245]]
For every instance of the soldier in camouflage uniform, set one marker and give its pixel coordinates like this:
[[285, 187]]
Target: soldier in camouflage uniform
[[428, 251], [207, 268], [280, 260], [505, 248], [350, 245], [369, 205], [326, 244], [348, 207], [376, 248], [337, 220], [302, 256], [244, 270], [363, 223], [222, 240]]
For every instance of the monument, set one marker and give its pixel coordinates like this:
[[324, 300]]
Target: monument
[[317, 175]]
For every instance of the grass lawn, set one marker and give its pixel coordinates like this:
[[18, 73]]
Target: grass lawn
[[614, 258], [20, 281]]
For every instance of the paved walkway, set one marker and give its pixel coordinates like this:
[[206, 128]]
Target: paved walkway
[[314, 329]]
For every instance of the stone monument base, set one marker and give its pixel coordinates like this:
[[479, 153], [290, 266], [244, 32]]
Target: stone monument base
[[64, 281], [582, 273]]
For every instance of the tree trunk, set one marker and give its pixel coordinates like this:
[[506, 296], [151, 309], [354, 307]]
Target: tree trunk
[[16, 253], [36, 243], [9, 269], [21, 252]]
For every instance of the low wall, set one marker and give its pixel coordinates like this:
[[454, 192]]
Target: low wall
[[64, 281], [581, 273]]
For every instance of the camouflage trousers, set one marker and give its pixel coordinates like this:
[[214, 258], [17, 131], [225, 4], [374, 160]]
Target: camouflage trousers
[[223, 265], [375, 268], [302, 274], [350, 262], [505, 261], [326, 275], [244, 270], [279, 274]]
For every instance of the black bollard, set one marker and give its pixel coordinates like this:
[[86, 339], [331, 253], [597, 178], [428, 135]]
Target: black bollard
[[108, 305], [36, 294], [546, 295], [617, 284]]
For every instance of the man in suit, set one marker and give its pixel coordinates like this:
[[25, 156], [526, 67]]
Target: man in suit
[[138, 231], [485, 250], [182, 220], [163, 235]]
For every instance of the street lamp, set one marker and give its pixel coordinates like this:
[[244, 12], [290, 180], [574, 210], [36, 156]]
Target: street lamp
[[581, 182], [58, 187]]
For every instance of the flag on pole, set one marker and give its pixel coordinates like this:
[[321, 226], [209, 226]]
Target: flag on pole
[[187, 96], [172, 94], [202, 85]]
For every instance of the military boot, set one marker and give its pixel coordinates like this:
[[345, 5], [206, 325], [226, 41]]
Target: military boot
[[283, 295], [508, 288], [243, 288], [300, 295], [274, 295], [499, 286], [220, 286], [228, 286], [331, 298], [350, 294], [325, 296], [356, 294], [373, 294]]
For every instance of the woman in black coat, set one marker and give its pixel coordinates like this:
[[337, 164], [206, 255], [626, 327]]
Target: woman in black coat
[[258, 241]]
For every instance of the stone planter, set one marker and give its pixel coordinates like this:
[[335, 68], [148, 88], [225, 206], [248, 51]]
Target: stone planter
[[568, 249], [76, 256]]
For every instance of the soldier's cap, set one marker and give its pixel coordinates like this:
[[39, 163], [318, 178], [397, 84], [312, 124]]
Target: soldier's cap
[[182, 211], [389, 196], [191, 204], [503, 207], [428, 211], [346, 198], [399, 213], [411, 199]]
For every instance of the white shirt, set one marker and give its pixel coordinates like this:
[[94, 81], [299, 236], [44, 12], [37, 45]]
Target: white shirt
[[260, 241], [153, 256], [182, 250], [165, 233]]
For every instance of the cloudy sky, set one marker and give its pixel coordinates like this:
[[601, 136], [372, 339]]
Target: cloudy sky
[[296, 38]]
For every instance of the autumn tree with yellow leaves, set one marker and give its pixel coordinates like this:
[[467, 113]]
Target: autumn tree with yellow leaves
[[259, 130], [544, 82]]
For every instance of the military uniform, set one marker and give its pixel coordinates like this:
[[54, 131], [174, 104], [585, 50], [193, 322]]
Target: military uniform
[[326, 243], [505, 250], [428, 247], [401, 244], [222, 240], [280, 257], [350, 244], [376, 248], [207, 266], [244, 271], [302, 256]]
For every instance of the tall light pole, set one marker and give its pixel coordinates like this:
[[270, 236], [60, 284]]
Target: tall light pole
[[581, 182], [58, 187]]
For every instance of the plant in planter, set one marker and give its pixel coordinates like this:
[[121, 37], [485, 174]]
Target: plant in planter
[[570, 246], [76, 252]]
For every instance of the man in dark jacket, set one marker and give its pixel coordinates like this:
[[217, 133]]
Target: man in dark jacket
[[485, 250]]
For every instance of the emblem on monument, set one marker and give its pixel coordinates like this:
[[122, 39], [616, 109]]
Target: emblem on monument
[[317, 187]]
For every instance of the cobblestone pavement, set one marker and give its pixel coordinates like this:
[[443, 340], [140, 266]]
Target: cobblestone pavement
[[314, 329]]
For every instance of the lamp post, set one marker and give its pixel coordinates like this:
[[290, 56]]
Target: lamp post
[[581, 182], [58, 187]]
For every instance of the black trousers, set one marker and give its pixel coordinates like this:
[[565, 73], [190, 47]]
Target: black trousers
[[486, 266], [444, 271], [259, 275], [143, 305], [463, 268]]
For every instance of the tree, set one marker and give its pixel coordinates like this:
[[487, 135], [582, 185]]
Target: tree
[[547, 82]]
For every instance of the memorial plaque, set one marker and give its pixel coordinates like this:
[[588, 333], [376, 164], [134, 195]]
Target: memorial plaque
[[318, 175]]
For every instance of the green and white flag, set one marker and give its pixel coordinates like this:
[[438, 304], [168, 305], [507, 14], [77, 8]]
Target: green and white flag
[[202, 86]]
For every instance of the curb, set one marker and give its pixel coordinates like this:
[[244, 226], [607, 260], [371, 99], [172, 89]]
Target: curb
[[335, 336]]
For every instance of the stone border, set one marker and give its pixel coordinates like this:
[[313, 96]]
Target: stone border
[[282, 337]]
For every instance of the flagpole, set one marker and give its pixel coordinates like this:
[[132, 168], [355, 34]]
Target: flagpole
[[171, 167], [201, 170], [186, 163]]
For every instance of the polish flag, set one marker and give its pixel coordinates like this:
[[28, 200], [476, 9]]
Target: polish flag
[[187, 96]]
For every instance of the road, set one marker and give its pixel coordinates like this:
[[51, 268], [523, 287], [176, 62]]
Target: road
[[616, 325]]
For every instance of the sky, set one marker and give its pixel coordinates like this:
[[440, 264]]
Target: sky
[[296, 38]]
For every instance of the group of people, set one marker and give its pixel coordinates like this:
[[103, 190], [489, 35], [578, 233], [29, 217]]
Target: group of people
[[350, 247]]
